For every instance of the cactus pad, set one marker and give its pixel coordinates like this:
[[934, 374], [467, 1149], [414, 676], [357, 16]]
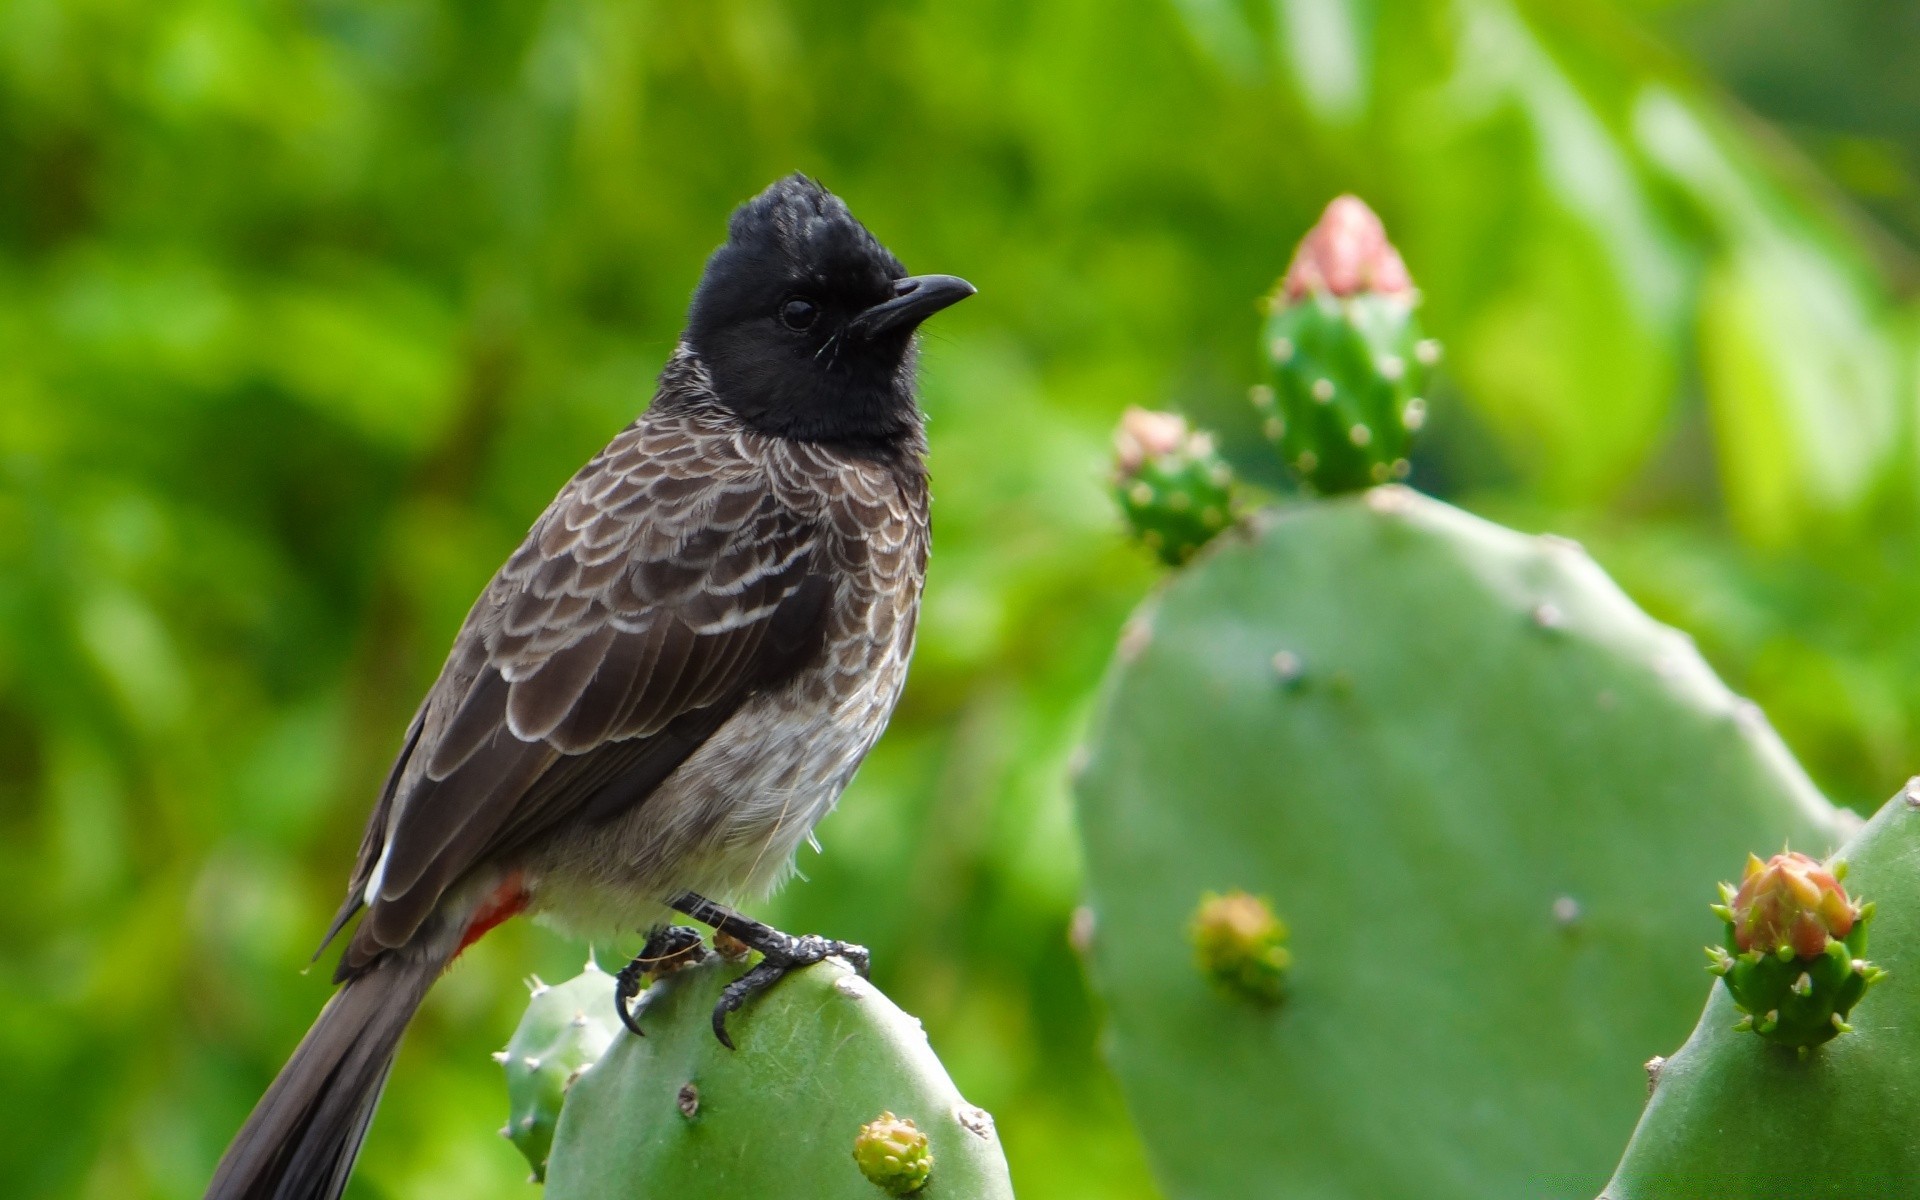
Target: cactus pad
[[1481, 786], [1734, 1118], [564, 1031], [820, 1055]]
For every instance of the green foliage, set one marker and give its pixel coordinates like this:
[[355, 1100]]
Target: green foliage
[[1481, 786], [806, 1106], [1737, 1118], [565, 1030]]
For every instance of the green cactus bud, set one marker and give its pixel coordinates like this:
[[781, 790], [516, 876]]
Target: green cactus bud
[[1792, 959], [565, 1030], [1174, 488], [1240, 945], [892, 1152], [1347, 365]]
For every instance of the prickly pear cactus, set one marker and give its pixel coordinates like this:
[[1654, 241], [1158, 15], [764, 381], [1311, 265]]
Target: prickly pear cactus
[[1794, 956], [1480, 787], [1734, 1118], [1347, 366], [565, 1029], [1173, 487], [824, 1059]]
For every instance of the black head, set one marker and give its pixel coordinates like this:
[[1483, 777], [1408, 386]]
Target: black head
[[805, 322]]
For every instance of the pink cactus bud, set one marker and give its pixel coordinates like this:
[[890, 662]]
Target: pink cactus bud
[[1144, 434], [1790, 901], [1346, 254]]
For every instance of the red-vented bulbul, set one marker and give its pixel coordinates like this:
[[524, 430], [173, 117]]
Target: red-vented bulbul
[[669, 682]]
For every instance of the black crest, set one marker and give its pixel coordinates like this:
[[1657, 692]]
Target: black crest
[[805, 321]]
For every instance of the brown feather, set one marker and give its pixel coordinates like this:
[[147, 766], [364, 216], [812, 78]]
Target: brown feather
[[669, 581]]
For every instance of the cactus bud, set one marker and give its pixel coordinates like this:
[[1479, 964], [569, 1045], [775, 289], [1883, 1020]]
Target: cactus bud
[[1789, 900], [1346, 254], [1347, 366], [893, 1154], [1240, 944], [1174, 488], [1792, 953]]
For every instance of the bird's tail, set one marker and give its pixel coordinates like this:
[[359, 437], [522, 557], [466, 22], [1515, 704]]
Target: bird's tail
[[301, 1139]]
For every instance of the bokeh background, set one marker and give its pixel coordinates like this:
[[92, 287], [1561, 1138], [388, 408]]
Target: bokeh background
[[308, 306]]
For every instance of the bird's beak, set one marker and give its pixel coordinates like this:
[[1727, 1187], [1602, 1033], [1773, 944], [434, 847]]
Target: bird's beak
[[915, 298]]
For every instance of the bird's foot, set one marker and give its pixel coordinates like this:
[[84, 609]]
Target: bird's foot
[[668, 948], [780, 953], [775, 963]]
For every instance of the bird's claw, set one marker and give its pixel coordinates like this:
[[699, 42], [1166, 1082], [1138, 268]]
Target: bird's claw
[[668, 948], [781, 953], [779, 958]]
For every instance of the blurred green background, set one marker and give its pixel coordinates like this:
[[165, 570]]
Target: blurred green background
[[308, 306]]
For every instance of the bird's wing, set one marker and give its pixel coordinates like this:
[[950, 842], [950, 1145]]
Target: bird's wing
[[666, 583]]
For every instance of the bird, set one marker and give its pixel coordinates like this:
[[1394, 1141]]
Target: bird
[[669, 682]]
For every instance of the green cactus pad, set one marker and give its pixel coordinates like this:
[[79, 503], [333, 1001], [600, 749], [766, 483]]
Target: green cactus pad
[[1735, 1118], [1345, 389], [1483, 789], [565, 1029], [820, 1056]]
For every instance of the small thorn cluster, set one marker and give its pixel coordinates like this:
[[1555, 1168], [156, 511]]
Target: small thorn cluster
[[892, 1153], [1173, 486], [1793, 954], [1346, 363], [1241, 945], [565, 1030]]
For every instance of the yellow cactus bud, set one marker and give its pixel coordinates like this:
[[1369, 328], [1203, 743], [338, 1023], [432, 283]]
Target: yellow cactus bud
[[1239, 943], [893, 1154]]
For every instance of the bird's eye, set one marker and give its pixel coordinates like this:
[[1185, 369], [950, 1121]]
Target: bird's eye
[[798, 314]]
